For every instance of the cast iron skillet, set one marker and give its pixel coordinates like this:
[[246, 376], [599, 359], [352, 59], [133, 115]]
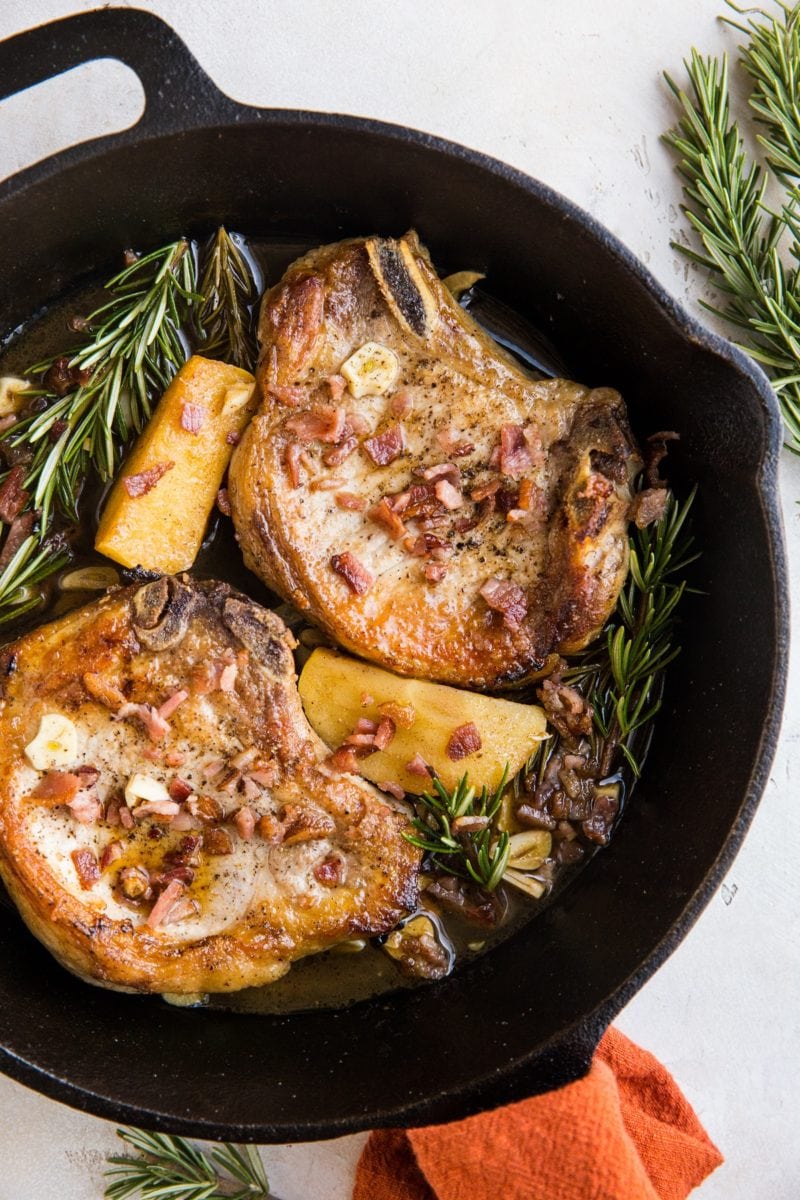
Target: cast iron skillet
[[527, 1016]]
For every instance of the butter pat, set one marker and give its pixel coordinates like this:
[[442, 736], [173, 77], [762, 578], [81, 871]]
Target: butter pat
[[371, 370]]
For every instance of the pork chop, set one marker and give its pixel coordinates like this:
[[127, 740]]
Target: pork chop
[[411, 489], [167, 819]]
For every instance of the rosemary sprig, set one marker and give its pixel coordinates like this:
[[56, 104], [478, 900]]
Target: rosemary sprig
[[224, 319], [134, 348], [624, 678], [171, 1168], [479, 855], [740, 237], [29, 565]]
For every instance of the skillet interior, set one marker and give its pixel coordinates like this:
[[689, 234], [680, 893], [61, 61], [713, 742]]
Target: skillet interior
[[527, 1016]]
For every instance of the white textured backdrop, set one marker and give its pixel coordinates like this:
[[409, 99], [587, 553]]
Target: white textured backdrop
[[572, 94]]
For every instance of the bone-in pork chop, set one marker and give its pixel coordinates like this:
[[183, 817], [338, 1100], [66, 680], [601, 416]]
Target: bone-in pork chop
[[168, 822], [408, 486]]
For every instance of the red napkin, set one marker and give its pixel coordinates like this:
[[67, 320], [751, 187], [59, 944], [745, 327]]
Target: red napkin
[[624, 1132]]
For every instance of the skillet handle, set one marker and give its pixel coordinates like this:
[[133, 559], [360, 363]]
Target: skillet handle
[[178, 93]]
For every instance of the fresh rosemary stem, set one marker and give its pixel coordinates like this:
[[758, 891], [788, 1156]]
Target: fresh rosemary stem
[[172, 1168], [223, 319]]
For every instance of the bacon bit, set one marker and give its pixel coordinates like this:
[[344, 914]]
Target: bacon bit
[[21, 528], [385, 447], [334, 458], [265, 775], [134, 884], [250, 789], [393, 789], [145, 481], [13, 496], [100, 689], [227, 677], [305, 823], [166, 709], [233, 437], [403, 715], [508, 598], [165, 909], [383, 514], [59, 786], [356, 576], [350, 502], [525, 494], [270, 829], [162, 810], [184, 821], [292, 397], [464, 740], [515, 454], [153, 754], [446, 470], [245, 822], [363, 742], [343, 761], [450, 497], [384, 734], [186, 853], [179, 790], [294, 452], [435, 572], [365, 725], [357, 423], [337, 385], [125, 817], [86, 866], [330, 872], [174, 758], [217, 842], [419, 501], [366, 699], [157, 728], [418, 766], [213, 768], [112, 852], [451, 444], [327, 424], [648, 506], [485, 490], [244, 758], [224, 502], [193, 417], [401, 404], [205, 808], [85, 808]]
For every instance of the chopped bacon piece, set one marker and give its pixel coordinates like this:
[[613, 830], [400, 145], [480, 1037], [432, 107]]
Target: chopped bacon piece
[[330, 872], [515, 454], [205, 808], [179, 790], [357, 423], [366, 699], [508, 598], [364, 742], [464, 740], [213, 768], [335, 458], [294, 452], [348, 501], [245, 822], [305, 823], [486, 489], [365, 725], [13, 496], [321, 484], [86, 808], [270, 829], [419, 501], [450, 497], [112, 852], [343, 761], [525, 494], [193, 417], [227, 677], [174, 758], [401, 404], [100, 689], [403, 715], [86, 866], [184, 821], [233, 437], [244, 757], [166, 709], [383, 514], [21, 528], [337, 385], [435, 572], [384, 448], [427, 543], [384, 733], [217, 841], [446, 470], [393, 789], [292, 397], [166, 908], [157, 728], [224, 502], [326, 424], [418, 766], [266, 774], [145, 481], [250, 789], [126, 817], [162, 810], [112, 810], [648, 506], [356, 576], [58, 786], [452, 445]]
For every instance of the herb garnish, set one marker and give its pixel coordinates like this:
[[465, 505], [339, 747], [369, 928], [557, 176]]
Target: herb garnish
[[458, 829], [171, 1168], [223, 319], [741, 237]]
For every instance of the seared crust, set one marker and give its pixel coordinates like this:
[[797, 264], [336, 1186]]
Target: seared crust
[[568, 551], [261, 906]]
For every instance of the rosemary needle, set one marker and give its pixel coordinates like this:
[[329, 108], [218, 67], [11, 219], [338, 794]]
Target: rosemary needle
[[172, 1168], [477, 854], [223, 318]]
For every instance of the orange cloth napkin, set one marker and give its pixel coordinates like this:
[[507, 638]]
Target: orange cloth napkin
[[624, 1132]]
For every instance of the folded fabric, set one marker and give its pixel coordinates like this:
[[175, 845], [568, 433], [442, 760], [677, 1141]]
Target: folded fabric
[[624, 1132]]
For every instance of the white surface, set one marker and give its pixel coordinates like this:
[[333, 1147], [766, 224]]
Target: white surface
[[574, 96]]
